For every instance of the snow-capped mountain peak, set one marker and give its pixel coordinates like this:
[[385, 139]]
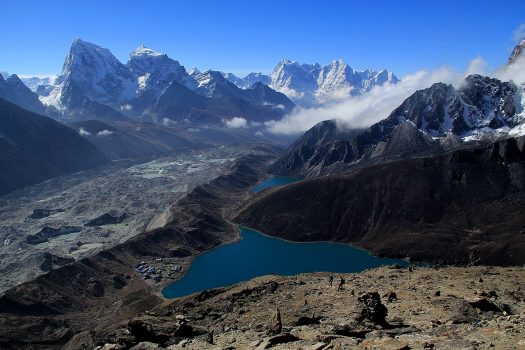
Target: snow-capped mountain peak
[[96, 71], [292, 78], [312, 83], [154, 70], [145, 51], [213, 84], [517, 52], [194, 71], [91, 71]]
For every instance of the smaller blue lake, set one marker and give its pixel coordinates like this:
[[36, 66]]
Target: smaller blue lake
[[274, 182], [258, 255]]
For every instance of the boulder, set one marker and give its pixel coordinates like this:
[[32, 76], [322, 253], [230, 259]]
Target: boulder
[[96, 288], [306, 320], [275, 327], [372, 309], [463, 312], [145, 346]]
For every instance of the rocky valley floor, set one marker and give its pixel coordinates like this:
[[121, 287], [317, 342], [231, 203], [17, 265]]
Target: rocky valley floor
[[384, 308]]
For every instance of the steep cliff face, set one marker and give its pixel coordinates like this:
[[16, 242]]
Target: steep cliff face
[[460, 207]]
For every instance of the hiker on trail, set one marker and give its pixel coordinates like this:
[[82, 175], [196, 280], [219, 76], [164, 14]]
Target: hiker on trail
[[331, 280], [341, 283]]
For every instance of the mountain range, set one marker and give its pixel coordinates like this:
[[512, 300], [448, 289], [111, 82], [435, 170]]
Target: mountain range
[[94, 84], [310, 84], [433, 120]]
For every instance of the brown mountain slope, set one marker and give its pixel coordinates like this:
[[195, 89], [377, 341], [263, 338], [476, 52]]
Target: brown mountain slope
[[466, 206], [34, 148], [424, 308]]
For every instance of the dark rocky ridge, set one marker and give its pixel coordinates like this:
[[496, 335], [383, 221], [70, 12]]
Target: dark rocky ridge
[[41, 213], [218, 100], [49, 232], [47, 312], [462, 207], [15, 91], [107, 219], [328, 149], [53, 261]]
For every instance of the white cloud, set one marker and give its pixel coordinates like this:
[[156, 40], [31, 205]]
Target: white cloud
[[291, 93], [366, 109], [514, 71], [104, 132], [236, 122], [168, 122], [84, 132], [519, 33], [477, 66]]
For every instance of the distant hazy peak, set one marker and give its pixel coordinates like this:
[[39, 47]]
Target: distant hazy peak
[[517, 51], [145, 51], [193, 71]]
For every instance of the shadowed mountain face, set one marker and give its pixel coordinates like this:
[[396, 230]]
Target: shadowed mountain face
[[14, 90], [327, 148], [216, 98], [34, 148], [465, 206], [78, 106]]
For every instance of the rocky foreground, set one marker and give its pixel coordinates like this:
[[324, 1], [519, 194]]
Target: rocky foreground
[[384, 308]]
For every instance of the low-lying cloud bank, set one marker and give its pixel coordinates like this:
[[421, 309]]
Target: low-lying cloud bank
[[236, 122], [375, 105]]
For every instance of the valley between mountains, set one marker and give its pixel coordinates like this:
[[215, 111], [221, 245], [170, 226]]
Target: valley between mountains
[[117, 176]]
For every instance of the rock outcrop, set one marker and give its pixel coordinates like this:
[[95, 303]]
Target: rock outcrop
[[107, 219]]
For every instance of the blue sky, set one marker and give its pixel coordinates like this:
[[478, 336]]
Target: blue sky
[[243, 36]]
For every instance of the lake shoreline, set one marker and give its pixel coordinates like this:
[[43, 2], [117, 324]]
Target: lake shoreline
[[256, 254]]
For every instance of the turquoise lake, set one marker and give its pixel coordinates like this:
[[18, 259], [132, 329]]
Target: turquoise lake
[[258, 255], [274, 182]]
